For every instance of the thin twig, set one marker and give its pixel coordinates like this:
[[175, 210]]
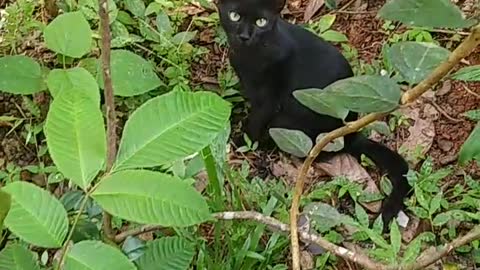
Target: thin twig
[[137, 231], [64, 250], [307, 237], [471, 92], [444, 31], [109, 104], [444, 113], [430, 255], [463, 50]]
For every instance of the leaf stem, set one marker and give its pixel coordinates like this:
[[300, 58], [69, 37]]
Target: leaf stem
[[83, 204]]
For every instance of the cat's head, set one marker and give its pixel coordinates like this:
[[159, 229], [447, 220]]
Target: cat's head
[[247, 22]]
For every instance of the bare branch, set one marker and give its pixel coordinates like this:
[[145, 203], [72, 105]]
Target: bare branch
[[276, 225], [430, 255], [462, 51], [109, 103], [137, 231]]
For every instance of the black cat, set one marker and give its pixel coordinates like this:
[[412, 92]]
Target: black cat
[[273, 58]]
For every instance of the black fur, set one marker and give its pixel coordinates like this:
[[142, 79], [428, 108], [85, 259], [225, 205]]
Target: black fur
[[273, 61]]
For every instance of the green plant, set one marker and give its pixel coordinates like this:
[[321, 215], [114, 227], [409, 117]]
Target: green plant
[[322, 28]]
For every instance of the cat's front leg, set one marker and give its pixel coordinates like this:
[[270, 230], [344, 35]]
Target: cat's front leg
[[258, 121]]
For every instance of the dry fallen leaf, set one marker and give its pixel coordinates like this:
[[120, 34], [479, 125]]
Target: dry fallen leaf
[[288, 168], [346, 165], [422, 132], [312, 8]]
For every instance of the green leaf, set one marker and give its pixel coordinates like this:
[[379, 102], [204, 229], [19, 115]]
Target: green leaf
[[167, 253], [320, 101], [74, 79], [294, 142], [424, 13], [89, 9], [17, 257], [386, 185], [361, 215], [378, 239], [36, 216], [324, 215], [395, 237], [95, 255], [334, 36], [136, 7], [422, 198], [415, 60], [131, 74], [470, 149], [171, 127], [153, 7], [76, 137], [5, 204], [326, 21], [333, 146], [412, 251], [473, 115], [69, 34], [435, 203], [20, 74], [378, 225], [469, 74], [183, 37], [365, 94], [163, 23], [441, 219], [151, 197], [120, 35]]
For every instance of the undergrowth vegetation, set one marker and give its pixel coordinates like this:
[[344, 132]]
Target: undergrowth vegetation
[[171, 173]]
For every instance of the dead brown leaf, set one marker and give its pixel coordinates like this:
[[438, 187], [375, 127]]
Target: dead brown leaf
[[347, 166], [422, 132], [312, 8], [289, 167]]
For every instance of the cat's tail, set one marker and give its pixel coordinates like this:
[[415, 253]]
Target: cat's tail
[[388, 161]]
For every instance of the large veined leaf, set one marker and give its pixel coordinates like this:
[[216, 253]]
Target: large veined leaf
[[471, 147], [17, 257], [36, 216], [5, 204], [69, 34], [168, 253], [364, 94], [95, 255], [415, 60], [131, 74], [151, 197], [170, 127], [321, 102], [74, 79], [294, 142], [324, 215], [469, 74], [424, 13], [76, 137], [20, 74]]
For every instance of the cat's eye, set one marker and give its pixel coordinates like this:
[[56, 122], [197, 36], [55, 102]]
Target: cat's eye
[[234, 16], [261, 22]]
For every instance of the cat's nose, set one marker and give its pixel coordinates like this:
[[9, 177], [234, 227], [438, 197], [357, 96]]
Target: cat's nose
[[244, 37]]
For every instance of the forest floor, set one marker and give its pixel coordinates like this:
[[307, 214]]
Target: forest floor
[[435, 121]]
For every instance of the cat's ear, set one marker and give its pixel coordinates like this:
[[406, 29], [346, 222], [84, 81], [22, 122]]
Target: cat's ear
[[279, 4]]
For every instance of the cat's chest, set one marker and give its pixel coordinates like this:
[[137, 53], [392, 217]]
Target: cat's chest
[[259, 77]]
